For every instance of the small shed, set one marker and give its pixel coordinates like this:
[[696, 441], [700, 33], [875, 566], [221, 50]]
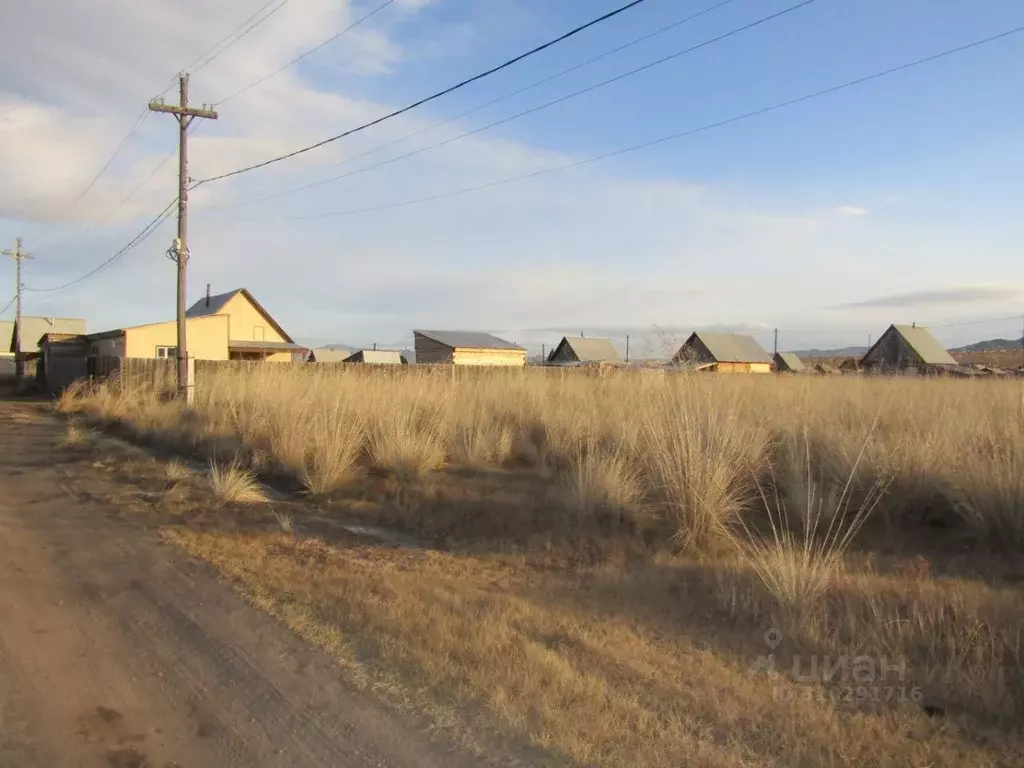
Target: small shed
[[376, 357], [583, 350], [906, 347], [466, 348], [64, 358], [723, 353], [788, 362], [328, 355]]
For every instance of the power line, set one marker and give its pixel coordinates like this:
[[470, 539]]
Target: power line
[[9, 305], [148, 230], [198, 66], [532, 110], [665, 139], [198, 63], [116, 153], [540, 82], [312, 50], [432, 97], [238, 33], [138, 187]]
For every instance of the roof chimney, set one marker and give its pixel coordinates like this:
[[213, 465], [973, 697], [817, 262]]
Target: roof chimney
[[207, 294]]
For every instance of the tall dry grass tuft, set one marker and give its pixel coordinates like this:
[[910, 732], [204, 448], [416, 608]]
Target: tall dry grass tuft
[[802, 552], [407, 437], [233, 484], [987, 484], [602, 483], [702, 453], [335, 442]]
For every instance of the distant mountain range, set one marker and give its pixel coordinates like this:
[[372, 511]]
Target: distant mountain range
[[992, 345]]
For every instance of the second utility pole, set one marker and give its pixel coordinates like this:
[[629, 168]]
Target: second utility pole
[[19, 356], [184, 114]]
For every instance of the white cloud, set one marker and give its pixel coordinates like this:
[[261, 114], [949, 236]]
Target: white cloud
[[852, 211], [592, 246]]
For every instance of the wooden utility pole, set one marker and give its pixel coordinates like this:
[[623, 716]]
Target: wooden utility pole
[[775, 350], [627, 349], [19, 358], [184, 115]]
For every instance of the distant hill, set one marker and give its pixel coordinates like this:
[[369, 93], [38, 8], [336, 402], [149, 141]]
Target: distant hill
[[841, 352], [992, 345]]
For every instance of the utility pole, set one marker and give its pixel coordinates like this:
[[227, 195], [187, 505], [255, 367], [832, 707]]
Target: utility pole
[[776, 344], [184, 114], [19, 359], [627, 349]]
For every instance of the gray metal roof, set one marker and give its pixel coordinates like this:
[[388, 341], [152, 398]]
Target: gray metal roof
[[732, 347], [33, 329], [379, 356], [791, 360], [468, 340], [924, 345], [216, 304], [592, 350]]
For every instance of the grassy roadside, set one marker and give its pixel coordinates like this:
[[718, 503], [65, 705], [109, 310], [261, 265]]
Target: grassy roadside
[[612, 554], [593, 666]]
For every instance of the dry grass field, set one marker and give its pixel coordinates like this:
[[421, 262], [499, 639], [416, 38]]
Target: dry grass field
[[635, 569]]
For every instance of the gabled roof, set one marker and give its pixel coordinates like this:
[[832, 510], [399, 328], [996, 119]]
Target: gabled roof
[[468, 340], [589, 350], [34, 328], [330, 355], [789, 361], [380, 356], [731, 347], [925, 345], [921, 343], [214, 304]]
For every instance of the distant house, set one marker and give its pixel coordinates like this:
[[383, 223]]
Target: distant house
[[376, 357], [26, 340], [788, 362], [581, 350], [466, 348], [252, 333], [328, 355], [905, 347], [723, 353]]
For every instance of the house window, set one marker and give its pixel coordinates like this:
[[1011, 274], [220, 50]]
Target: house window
[[166, 353]]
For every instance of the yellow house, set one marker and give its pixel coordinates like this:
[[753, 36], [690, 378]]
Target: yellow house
[[207, 340], [252, 334]]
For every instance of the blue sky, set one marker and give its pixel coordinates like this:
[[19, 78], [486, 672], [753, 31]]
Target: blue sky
[[895, 201]]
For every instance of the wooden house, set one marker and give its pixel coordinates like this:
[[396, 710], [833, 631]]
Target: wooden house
[[466, 348], [788, 362], [909, 349], [723, 353], [582, 350]]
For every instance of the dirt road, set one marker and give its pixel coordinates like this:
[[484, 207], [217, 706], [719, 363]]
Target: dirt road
[[118, 651]]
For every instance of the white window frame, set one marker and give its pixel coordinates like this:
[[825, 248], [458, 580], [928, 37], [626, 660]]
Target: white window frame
[[166, 353]]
